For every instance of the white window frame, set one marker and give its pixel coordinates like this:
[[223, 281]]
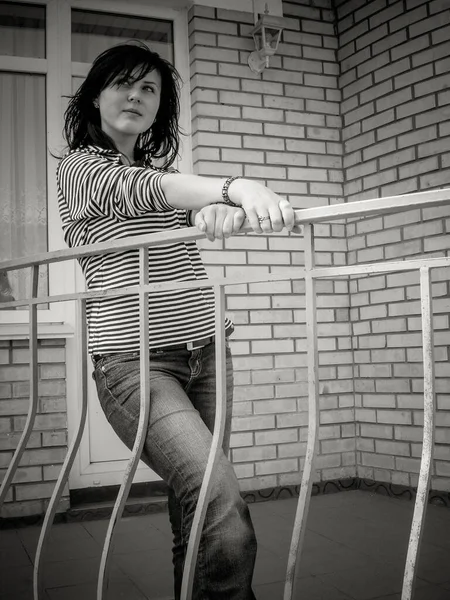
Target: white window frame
[[58, 69], [44, 66]]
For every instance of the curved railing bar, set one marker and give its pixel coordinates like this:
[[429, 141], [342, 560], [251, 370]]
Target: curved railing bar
[[381, 267], [130, 243], [289, 273], [301, 515], [375, 206], [71, 453], [32, 410], [426, 462], [144, 414], [216, 447], [341, 211], [362, 208]]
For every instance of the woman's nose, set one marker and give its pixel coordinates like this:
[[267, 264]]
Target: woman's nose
[[134, 96]]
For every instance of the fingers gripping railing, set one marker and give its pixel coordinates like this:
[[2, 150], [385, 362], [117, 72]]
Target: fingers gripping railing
[[310, 274]]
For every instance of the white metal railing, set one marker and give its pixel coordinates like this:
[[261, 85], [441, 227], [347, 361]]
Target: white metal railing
[[310, 273]]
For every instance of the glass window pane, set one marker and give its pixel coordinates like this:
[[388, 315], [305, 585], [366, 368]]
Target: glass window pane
[[23, 177], [94, 32], [22, 30]]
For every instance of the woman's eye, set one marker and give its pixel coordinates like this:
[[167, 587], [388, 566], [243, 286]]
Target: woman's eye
[[148, 88]]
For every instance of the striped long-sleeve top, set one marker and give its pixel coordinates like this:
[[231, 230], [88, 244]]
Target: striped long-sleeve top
[[101, 199]]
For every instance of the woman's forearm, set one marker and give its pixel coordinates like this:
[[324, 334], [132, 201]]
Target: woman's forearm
[[191, 191], [266, 211]]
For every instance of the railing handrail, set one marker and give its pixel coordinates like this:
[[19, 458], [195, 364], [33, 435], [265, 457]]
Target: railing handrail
[[309, 273], [361, 208]]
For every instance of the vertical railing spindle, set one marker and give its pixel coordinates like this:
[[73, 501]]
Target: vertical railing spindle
[[141, 433], [71, 453], [301, 516], [426, 462], [216, 446], [32, 410]]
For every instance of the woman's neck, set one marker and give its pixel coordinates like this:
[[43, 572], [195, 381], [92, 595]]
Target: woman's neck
[[126, 149], [126, 159]]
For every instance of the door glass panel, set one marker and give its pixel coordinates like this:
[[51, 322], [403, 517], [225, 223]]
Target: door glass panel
[[94, 32], [23, 178], [22, 30]]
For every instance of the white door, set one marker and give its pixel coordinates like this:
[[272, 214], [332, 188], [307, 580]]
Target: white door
[[103, 458]]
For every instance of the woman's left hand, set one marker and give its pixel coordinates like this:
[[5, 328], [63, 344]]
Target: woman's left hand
[[219, 221], [266, 211]]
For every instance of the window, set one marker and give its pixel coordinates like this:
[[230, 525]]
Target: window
[[22, 30], [45, 52], [94, 32], [23, 168]]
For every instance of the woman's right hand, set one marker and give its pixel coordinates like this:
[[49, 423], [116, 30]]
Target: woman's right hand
[[219, 220], [266, 211]]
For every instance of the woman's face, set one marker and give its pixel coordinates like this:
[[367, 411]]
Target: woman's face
[[129, 109]]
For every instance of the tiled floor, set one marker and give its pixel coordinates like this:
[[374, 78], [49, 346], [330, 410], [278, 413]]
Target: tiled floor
[[354, 549]]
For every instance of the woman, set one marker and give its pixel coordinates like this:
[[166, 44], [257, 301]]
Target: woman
[[124, 115]]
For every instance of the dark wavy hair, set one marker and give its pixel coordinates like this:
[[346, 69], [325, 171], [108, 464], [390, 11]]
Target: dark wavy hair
[[127, 62]]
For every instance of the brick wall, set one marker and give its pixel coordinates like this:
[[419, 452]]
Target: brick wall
[[395, 74], [282, 128], [47, 447]]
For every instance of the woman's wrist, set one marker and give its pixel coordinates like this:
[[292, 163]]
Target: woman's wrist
[[226, 191]]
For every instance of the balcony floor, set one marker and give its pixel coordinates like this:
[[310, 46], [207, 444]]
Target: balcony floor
[[355, 549]]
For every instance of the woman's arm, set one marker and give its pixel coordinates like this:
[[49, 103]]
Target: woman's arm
[[258, 201], [93, 185]]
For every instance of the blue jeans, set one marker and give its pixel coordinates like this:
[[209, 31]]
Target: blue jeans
[[178, 440]]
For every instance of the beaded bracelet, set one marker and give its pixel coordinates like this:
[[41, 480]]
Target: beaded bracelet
[[226, 185]]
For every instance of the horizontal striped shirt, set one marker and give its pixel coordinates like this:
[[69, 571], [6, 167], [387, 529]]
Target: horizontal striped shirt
[[100, 199]]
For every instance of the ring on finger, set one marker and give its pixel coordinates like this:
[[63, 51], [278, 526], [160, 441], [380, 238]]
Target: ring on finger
[[261, 219]]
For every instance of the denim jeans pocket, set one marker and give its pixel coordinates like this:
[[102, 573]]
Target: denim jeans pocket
[[118, 376]]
